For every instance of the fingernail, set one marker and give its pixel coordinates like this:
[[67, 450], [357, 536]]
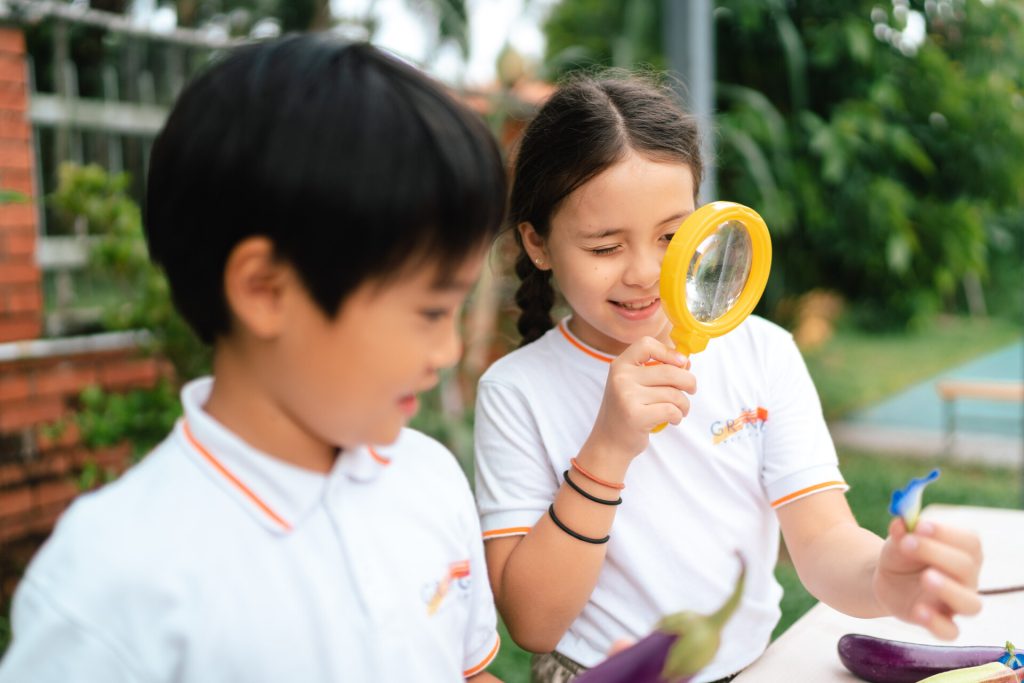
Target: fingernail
[[909, 543], [683, 360], [933, 578], [921, 614], [925, 528]]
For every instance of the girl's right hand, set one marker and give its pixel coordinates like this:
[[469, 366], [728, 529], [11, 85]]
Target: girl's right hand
[[639, 396]]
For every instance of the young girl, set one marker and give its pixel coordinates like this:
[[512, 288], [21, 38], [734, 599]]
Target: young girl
[[596, 527]]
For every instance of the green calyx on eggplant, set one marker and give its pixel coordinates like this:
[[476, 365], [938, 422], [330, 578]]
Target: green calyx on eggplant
[[679, 647], [880, 660]]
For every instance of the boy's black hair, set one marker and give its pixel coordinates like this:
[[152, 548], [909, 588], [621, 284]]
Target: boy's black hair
[[350, 161], [588, 125]]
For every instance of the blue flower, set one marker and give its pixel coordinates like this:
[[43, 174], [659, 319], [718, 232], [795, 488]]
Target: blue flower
[[906, 502]]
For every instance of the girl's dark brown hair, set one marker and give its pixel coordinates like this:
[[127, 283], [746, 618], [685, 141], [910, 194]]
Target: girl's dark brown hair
[[589, 124]]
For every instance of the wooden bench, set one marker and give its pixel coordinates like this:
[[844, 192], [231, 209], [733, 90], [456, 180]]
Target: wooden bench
[[951, 390]]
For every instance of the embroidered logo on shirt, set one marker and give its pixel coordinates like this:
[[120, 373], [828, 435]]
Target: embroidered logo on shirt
[[749, 421], [457, 575]]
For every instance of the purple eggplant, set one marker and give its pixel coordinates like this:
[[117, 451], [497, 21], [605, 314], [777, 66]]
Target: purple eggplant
[[892, 661], [682, 644]]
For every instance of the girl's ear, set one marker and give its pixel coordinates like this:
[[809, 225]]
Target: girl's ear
[[534, 245], [255, 285]]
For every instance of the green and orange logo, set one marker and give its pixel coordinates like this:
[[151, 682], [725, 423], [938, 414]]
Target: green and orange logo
[[748, 420]]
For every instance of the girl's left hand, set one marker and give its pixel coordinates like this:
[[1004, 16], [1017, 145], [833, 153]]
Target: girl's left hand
[[929, 576]]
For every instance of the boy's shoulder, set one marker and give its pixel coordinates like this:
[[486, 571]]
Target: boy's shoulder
[[126, 534]]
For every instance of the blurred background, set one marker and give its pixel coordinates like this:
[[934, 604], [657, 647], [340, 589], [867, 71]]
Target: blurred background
[[881, 140]]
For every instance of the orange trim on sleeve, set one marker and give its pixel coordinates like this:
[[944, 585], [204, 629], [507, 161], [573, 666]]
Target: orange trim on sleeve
[[809, 489], [510, 531], [378, 457], [474, 670], [227, 474]]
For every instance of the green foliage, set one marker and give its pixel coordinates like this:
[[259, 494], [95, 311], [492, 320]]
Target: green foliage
[[12, 197], [98, 203], [889, 171], [144, 416], [89, 195]]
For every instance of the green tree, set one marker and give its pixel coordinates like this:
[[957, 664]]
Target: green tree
[[889, 165]]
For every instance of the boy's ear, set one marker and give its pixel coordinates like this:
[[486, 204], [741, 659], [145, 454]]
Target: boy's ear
[[255, 284], [534, 245]]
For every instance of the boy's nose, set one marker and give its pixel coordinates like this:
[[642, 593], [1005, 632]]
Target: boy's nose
[[448, 351]]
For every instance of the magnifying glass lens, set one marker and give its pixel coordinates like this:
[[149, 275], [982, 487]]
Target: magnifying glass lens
[[718, 271]]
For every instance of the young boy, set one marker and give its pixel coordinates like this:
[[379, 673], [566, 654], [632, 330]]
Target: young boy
[[321, 211]]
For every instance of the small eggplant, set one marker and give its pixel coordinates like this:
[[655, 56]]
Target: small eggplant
[[892, 661], [682, 644]]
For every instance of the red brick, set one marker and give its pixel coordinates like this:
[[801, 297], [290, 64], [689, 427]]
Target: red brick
[[42, 520], [15, 501], [12, 68], [14, 387], [17, 242], [15, 156], [20, 327], [31, 412], [129, 373], [55, 492], [23, 299], [19, 271], [12, 41], [19, 181], [14, 126], [13, 528], [65, 379], [13, 97], [11, 473]]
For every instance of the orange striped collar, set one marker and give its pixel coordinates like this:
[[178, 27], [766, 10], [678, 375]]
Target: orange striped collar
[[277, 493], [563, 327]]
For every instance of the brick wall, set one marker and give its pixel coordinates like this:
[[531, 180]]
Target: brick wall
[[40, 466], [20, 280]]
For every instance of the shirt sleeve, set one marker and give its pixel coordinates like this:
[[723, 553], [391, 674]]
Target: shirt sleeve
[[515, 481], [52, 646], [799, 456], [481, 640]]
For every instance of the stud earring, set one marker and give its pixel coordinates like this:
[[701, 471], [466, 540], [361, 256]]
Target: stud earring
[[538, 261]]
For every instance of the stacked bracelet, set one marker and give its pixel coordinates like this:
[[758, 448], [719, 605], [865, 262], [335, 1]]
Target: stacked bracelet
[[594, 478], [581, 537], [575, 487]]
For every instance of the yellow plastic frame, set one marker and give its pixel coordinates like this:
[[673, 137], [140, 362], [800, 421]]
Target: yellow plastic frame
[[689, 334]]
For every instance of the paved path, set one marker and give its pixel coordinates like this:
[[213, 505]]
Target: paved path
[[911, 421]]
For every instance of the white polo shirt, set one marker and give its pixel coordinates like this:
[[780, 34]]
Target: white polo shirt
[[211, 561], [754, 439]]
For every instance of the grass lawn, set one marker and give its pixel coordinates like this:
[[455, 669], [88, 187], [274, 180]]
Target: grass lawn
[[854, 369]]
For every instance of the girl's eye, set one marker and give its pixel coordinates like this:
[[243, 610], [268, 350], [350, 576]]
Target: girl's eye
[[668, 237], [603, 251]]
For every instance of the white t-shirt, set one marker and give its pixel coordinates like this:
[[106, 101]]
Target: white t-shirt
[[754, 439], [210, 561]]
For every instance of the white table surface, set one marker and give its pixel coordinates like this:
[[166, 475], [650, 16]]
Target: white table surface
[[807, 650]]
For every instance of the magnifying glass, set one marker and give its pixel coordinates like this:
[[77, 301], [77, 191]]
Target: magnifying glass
[[713, 274]]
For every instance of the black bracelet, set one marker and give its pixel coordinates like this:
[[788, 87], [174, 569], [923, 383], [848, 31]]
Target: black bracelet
[[581, 537], [577, 489]]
